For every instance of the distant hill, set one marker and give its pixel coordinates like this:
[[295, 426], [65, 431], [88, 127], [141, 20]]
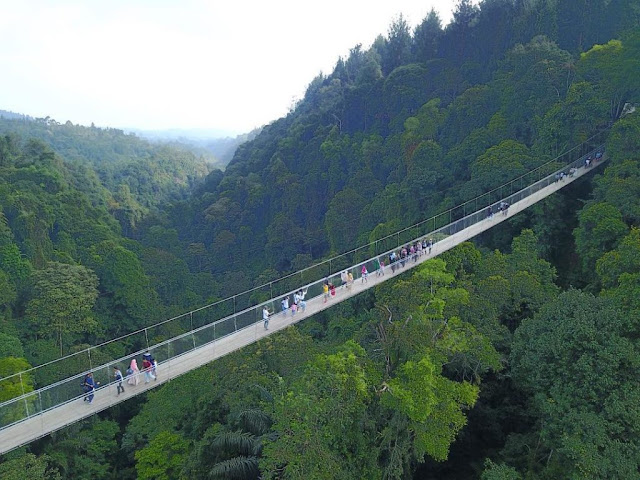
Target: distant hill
[[139, 174], [214, 146], [14, 116]]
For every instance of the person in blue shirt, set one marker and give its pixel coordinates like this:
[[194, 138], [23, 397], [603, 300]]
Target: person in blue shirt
[[89, 385]]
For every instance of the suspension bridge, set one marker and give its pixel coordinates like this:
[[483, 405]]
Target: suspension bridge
[[212, 331]]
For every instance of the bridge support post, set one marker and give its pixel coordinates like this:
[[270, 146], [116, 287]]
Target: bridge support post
[[41, 411], [26, 405], [193, 337]]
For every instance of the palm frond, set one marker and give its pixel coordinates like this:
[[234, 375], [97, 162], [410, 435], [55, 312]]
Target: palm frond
[[255, 421], [243, 443], [240, 468], [266, 394]]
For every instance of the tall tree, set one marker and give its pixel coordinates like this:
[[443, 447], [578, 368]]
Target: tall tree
[[63, 296], [426, 37], [458, 35], [397, 50]]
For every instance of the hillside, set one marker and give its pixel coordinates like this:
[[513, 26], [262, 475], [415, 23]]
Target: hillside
[[140, 175]]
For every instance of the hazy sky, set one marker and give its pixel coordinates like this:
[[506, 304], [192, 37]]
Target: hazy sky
[[156, 64]]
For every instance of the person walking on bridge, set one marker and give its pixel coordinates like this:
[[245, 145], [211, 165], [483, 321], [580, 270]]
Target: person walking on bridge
[[265, 317], [117, 374], [89, 386], [153, 371], [285, 305], [146, 368], [134, 377], [301, 303]]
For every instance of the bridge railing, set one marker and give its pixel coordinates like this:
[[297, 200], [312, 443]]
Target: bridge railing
[[172, 338]]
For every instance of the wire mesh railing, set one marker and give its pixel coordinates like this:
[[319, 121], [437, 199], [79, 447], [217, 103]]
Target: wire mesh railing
[[185, 333]]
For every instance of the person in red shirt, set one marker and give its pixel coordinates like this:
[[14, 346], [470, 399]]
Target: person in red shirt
[[146, 368]]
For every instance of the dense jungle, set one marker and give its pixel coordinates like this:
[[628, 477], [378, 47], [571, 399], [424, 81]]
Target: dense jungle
[[511, 357]]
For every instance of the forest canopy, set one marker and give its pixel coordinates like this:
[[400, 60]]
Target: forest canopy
[[511, 357]]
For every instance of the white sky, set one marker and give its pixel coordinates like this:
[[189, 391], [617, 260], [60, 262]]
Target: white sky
[[156, 64]]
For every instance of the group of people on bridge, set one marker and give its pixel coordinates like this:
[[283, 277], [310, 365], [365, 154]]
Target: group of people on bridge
[[502, 208], [589, 161], [397, 260], [132, 376]]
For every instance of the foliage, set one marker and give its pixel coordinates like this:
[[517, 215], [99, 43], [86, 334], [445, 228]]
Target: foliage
[[82, 452], [163, 458], [29, 467], [612, 66], [576, 359], [319, 421], [63, 296], [600, 229], [471, 357], [499, 472]]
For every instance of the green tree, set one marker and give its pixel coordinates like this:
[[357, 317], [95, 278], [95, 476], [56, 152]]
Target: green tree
[[426, 37], [86, 451], [28, 467], [397, 49], [532, 77], [620, 186], [493, 471], [612, 67], [319, 421], [416, 339], [8, 292], [163, 458], [126, 293], [499, 164], [13, 263], [577, 361], [600, 229], [10, 346], [624, 259], [16, 385], [343, 218], [63, 296]]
